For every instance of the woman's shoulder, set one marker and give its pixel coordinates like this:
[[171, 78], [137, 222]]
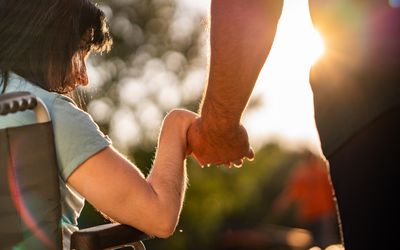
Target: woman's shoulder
[[64, 112], [18, 83], [62, 109]]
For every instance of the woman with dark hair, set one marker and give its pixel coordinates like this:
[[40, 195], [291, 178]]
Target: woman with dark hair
[[46, 41], [43, 47]]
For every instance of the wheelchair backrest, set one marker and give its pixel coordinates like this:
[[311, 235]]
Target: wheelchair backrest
[[30, 207]]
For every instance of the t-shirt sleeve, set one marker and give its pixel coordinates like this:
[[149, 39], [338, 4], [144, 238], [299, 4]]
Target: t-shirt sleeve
[[77, 137]]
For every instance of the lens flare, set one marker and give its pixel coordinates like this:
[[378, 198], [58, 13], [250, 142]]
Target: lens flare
[[394, 3], [22, 208]]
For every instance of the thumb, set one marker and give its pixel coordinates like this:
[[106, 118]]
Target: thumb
[[200, 161], [250, 154]]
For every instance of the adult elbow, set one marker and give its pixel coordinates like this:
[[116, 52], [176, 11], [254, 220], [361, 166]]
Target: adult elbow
[[162, 217], [155, 225], [165, 233], [162, 221], [165, 227]]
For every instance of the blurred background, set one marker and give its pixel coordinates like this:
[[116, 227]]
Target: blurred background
[[159, 62]]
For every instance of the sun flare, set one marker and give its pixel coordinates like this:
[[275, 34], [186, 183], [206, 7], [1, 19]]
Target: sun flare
[[296, 37], [317, 46]]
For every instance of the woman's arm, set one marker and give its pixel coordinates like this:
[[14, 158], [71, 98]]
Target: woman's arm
[[117, 188]]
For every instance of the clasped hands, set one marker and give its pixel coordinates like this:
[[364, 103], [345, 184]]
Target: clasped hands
[[218, 144]]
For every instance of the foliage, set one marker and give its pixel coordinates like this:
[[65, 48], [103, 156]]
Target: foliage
[[157, 63]]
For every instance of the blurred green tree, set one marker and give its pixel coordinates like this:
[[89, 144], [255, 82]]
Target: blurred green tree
[[158, 62]]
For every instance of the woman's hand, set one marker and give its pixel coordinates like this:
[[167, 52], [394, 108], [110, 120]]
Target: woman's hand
[[175, 128]]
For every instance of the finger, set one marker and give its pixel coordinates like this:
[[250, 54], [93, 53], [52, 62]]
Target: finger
[[200, 161], [250, 154], [238, 163], [228, 164]]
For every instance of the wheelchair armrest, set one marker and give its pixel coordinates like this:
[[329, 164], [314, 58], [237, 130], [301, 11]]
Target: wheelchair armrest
[[110, 235]]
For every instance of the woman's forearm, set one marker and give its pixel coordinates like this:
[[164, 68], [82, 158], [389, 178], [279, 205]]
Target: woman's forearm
[[168, 176], [168, 181]]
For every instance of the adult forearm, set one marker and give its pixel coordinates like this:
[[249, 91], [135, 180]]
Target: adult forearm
[[241, 36]]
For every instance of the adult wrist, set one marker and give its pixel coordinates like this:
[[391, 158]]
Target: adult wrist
[[222, 117]]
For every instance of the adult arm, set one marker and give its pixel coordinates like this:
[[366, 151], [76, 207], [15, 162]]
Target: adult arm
[[241, 36], [117, 188]]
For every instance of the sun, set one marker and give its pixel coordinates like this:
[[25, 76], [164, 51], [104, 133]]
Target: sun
[[316, 46], [297, 38]]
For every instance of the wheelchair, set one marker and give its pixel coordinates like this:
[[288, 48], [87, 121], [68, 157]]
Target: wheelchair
[[30, 207]]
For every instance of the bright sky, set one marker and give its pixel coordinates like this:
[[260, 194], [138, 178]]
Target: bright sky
[[287, 111]]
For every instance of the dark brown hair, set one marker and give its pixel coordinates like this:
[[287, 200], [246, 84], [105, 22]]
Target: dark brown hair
[[41, 39]]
